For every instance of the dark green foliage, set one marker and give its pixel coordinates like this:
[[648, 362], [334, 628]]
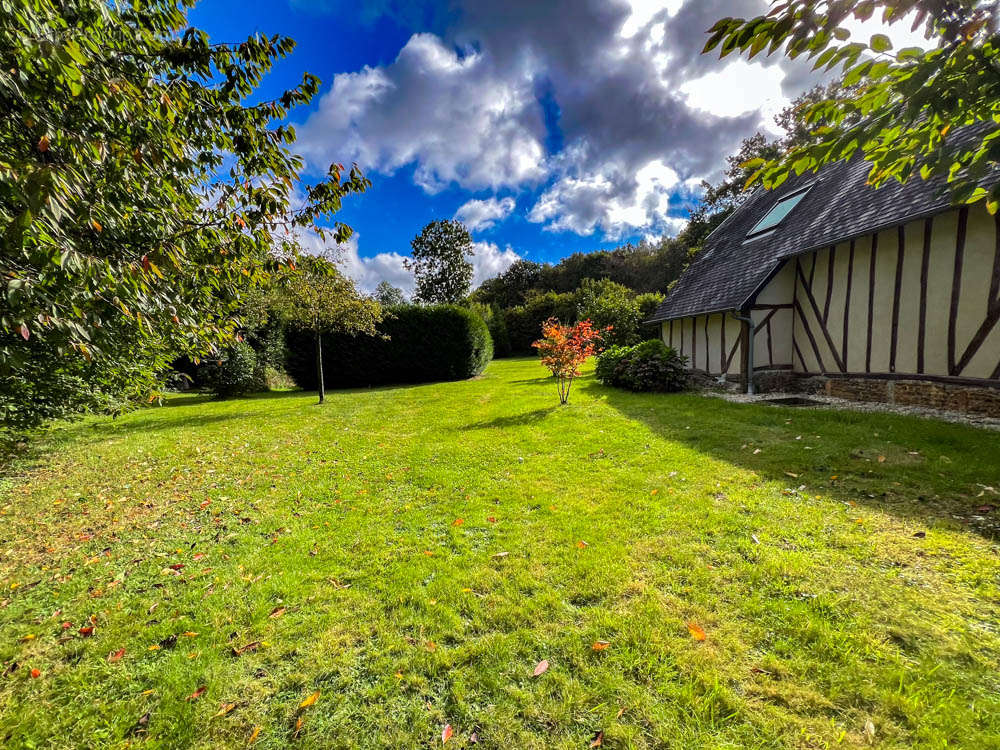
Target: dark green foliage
[[145, 191], [511, 288], [44, 384], [646, 267], [606, 303], [414, 344], [524, 322], [388, 295], [648, 303], [497, 325], [237, 372], [439, 260], [607, 364], [649, 366]]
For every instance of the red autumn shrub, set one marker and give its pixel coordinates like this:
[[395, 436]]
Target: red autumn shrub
[[564, 348]]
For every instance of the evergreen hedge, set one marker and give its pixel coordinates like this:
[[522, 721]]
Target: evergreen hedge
[[416, 344]]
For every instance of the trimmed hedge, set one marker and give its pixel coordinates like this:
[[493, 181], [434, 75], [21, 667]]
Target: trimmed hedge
[[424, 344]]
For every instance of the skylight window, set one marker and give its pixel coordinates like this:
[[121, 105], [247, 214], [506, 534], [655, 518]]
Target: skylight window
[[778, 212]]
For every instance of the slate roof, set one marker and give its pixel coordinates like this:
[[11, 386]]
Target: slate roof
[[839, 206]]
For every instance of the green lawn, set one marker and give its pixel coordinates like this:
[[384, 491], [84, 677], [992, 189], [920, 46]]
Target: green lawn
[[413, 553]]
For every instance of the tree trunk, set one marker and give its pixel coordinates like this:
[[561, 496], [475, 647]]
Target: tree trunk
[[319, 366]]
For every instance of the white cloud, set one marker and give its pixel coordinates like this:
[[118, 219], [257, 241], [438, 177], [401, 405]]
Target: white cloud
[[643, 11], [488, 261], [583, 204], [740, 87], [483, 214], [641, 112], [450, 115]]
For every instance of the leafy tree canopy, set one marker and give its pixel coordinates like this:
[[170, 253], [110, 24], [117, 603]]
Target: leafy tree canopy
[[141, 196], [388, 295], [318, 298], [901, 108], [440, 262]]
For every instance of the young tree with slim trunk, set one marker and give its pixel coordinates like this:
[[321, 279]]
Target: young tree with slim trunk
[[564, 348], [320, 299]]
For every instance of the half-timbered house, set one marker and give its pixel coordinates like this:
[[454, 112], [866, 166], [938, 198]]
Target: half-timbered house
[[828, 284]]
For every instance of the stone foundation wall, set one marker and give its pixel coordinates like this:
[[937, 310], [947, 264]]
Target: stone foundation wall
[[959, 397]]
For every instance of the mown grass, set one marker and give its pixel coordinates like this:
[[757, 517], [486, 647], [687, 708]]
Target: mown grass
[[854, 604]]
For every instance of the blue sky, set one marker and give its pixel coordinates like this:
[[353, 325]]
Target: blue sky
[[548, 127]]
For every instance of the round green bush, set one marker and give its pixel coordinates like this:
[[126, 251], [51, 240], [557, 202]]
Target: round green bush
[[649, 366], [414, 344], [607, 363], [235, 373]]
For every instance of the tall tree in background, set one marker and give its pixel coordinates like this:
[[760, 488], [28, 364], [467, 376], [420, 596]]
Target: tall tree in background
[[900, 108], [388, 295], [141, 197], [319, 299], [440, 262]]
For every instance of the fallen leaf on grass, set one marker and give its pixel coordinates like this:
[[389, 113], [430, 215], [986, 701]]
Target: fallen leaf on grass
[[87, 631], [254, 735], [224, 709], [458, 522], [446, 733], [310, 700], [431, 646], [881, 459], [277, 612], [491, 519], [116, 655], [189, 634], [696, 631], [501, 554], [248, 648], [298, 726], [598, 739], [540, 667], [581, 544], [197, 693], [790, 474], [140, 724], [600, 645]]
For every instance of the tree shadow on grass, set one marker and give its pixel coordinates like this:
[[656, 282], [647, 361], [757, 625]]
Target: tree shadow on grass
[[923, 469], [514, 420]]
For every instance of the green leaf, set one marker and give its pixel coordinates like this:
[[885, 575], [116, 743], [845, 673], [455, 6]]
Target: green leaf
[[880, 43]]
